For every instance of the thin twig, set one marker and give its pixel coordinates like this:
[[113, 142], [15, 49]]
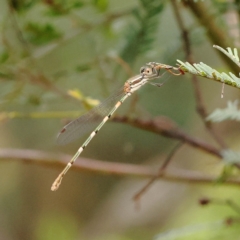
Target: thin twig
[[214, 32], [34, 78], [59, 160], [160, 173], [166, 127], [198, 96]]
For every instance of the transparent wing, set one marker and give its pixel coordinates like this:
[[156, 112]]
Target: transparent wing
[[88, 121]]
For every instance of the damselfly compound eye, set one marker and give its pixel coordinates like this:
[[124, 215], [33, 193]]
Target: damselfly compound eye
[[148, 70]]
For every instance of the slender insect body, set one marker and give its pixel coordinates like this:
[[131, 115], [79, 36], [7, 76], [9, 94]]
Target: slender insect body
[[149, 72]]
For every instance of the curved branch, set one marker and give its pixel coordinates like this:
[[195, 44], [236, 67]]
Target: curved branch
[[166, 127], [59, 160]]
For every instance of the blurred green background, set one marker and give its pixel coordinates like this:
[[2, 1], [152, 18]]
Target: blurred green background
[[53, 50]]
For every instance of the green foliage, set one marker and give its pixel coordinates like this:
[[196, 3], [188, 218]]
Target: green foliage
[[222, 6], [83, 67], [203, 70], [202, 231], [55, 226], [68, 46], [231, 112], [102, 5], [22, 5], [4, 56], [232, 54], [58, 8], [140, 35], [40, 34], [228, 169], [33, 99], [230, 157]]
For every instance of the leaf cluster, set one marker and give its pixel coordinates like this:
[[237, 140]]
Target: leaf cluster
[[140, 36], [40, 34], [231, 112]]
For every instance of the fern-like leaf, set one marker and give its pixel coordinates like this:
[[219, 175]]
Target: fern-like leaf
[[232, 54], [230, 157], [230, 113], [140, 35], [203, 70]]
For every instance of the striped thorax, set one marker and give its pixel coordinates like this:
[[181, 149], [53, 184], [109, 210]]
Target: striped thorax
[[148, 72]]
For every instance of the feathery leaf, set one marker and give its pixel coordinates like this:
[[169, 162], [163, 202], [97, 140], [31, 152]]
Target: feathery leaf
[[230, 113], [230, 157], [203, 70], [140, 35]]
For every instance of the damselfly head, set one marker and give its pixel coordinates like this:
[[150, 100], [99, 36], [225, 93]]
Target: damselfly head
[[152, 70], [149, 70]]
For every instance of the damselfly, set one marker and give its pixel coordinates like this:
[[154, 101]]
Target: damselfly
[[102, 113]]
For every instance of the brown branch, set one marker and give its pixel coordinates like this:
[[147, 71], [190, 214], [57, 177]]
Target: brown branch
[[160, 173], [215, 33], [203, 113], [198, 96], [42, 81], [59, 160], [166, 127]]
